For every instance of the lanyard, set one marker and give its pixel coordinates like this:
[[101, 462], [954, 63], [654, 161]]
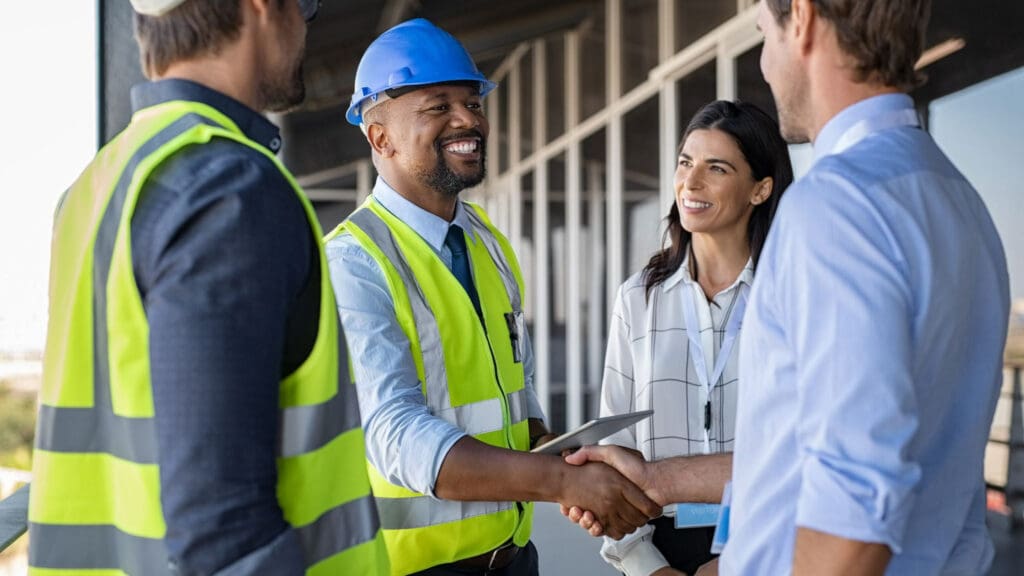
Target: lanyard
[[732, 330], [884, 121]]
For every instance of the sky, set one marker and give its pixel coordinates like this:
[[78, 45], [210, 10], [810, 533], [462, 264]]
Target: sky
[[48, 102], [992, 158], [48, 112]]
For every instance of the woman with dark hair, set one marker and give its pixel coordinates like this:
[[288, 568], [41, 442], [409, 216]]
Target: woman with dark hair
[[673, 340]]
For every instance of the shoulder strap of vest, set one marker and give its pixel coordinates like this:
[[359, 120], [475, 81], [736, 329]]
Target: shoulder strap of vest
[[500, 251]]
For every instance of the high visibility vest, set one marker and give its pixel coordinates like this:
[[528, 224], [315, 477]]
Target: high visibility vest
[[469, 376], [94, 506]]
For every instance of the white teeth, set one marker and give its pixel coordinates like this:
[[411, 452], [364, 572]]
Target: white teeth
[[695, 204], [461, 146]]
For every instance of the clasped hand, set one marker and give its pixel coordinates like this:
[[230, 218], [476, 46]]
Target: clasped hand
[[641, 493]]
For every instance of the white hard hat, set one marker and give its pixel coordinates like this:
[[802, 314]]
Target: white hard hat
[[308, 8], [155, 7]]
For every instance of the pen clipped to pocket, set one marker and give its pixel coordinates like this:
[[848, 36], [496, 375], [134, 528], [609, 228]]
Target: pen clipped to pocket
[[516, 323]]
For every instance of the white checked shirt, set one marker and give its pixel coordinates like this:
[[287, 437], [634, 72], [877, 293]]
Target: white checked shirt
[[648, 365]]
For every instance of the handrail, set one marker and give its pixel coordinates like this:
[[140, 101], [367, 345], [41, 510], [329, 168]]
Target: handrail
[[13, 517]]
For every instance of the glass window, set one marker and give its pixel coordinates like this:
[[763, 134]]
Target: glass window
[[499, 137], [525, 105], [526, 250], [554, 87], [642, 212], [639, 41], [750, 84], [693, 91], [695, 18], [558, 286], [595, 280], [592, 66]]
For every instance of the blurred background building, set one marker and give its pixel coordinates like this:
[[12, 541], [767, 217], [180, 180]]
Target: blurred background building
[[592, 98]]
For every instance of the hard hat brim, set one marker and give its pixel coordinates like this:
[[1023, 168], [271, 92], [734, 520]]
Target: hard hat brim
[[354, 113]]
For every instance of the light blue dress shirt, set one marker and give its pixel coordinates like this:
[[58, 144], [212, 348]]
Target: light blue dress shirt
[[404, 441], [871, 356]]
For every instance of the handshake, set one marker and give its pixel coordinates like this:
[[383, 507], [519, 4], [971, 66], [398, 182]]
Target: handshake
[[614, 491]]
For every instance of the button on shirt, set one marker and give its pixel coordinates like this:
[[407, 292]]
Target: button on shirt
[[404, 441], [871, 356], [648, 364]]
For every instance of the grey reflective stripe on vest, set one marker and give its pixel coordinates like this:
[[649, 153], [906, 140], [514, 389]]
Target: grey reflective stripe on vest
[[307, 428], [70, 547], [92, 430], [497, 256], [98, 429], [304, 429], [518, 406], [339, 529], [427, 330], [424, 511], [486, 415]]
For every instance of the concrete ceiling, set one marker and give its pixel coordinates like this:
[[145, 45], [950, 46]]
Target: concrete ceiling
[[317, 137]]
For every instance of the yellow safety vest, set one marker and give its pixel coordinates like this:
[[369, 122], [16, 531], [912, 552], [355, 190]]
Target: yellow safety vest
[[95, 501], [469, 377]]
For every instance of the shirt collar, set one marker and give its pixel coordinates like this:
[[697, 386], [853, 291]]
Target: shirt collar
[[682, 274], [828, 139], [255, 127], [429, 226]]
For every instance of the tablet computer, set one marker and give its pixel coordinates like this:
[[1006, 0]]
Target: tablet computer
[[591, 432]]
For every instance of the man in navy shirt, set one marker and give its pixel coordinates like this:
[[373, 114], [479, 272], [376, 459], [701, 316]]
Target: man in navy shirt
[[227, 269]]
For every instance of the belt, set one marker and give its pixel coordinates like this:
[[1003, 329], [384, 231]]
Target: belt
[[496, 559]]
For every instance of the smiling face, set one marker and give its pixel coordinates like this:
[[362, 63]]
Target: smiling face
[[437, 137], [715, 189]]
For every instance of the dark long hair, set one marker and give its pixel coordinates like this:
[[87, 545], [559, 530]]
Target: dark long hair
[[758, 138]]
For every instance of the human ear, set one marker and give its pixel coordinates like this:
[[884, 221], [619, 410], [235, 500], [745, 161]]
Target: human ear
[[377, 136], [801, 22], [762, 191]]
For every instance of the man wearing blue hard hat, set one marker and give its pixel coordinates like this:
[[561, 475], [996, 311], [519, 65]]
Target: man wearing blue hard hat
[[430, 295]]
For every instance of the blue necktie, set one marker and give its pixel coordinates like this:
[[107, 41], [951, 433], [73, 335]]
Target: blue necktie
[[456, 243]]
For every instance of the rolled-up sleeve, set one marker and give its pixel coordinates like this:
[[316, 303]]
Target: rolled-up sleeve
[[404, 441], [847, 306]]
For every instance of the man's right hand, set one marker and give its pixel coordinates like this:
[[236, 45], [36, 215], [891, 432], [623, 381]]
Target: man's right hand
[[629, 463], [617, 503]]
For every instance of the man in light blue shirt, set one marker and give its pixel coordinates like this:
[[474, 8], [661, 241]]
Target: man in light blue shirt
[[430, 297], [872, 346]]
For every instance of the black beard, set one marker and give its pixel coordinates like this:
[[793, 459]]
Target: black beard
[[446, 181]]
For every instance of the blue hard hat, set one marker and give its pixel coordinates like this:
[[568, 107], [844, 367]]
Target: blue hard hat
[[413, 53]]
